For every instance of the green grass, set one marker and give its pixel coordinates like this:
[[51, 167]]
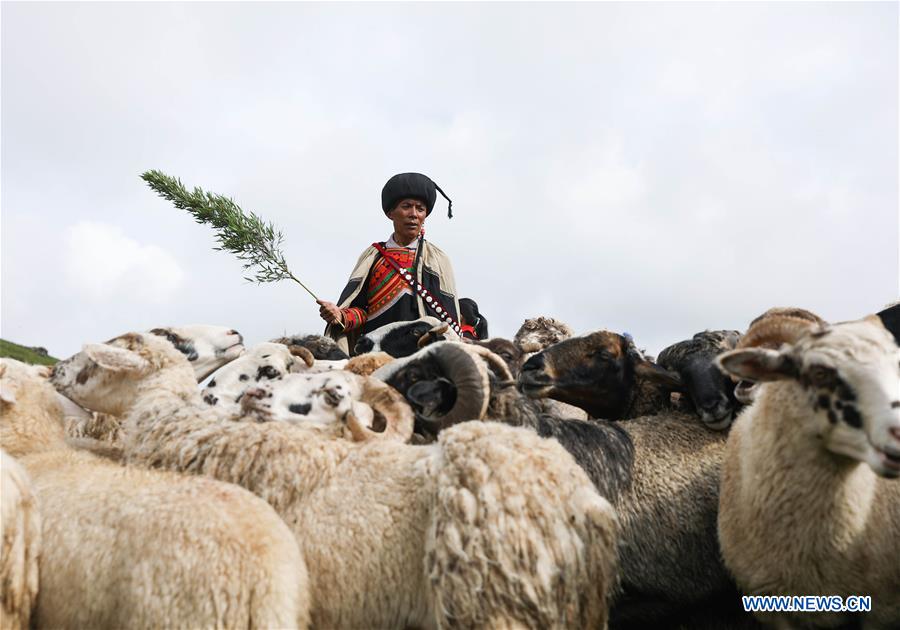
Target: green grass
[[24, 354]]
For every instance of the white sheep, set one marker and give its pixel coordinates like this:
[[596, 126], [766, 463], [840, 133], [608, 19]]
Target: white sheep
[[127, 547], [206, 348], [20, 531], [492, 526], [809, 500]]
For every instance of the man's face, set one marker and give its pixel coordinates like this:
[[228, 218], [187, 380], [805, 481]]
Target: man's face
[[408, 217]]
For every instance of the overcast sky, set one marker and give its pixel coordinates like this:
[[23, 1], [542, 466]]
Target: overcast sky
[[654, 168]]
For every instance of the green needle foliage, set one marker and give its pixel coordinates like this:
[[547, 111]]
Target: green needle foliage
[[255, 242]]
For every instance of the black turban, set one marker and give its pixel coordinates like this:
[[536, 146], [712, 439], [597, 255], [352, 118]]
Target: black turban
[[412, 186]]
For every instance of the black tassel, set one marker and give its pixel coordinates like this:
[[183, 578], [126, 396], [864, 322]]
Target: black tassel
[[449, 203]]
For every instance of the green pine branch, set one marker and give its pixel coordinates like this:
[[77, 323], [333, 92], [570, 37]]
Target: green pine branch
[[254, 241]]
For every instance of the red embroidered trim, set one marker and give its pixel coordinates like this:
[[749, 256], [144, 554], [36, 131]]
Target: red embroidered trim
[[429, 300], [354, 317]]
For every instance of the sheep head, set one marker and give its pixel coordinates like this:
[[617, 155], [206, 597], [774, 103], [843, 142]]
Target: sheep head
[[847, 376], [538, 333], [106, 376], [401, 339], [322, 348], [710, 391], [789, 323], [264, 361], [445, 383], [206, 347], [599, 372], [334, 404], [31, 418]]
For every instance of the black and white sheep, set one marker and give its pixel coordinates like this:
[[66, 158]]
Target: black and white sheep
[[810, 500], [401, 339]]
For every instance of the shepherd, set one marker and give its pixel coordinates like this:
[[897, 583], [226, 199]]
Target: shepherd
[[400, 279]]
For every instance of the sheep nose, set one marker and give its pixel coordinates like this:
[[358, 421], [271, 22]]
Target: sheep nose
[[535, 363], [363, 345], [895, 431], [711, 404]]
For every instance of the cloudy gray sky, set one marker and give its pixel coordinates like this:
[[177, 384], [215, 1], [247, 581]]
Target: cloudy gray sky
[[655, 168]]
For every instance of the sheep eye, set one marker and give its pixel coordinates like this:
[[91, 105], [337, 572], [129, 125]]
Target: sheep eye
[[821, 376]]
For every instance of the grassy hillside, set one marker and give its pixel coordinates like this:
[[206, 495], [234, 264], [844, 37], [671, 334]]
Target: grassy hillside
[[24, 353]]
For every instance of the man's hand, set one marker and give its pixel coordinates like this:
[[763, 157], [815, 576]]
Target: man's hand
[[330, 312]]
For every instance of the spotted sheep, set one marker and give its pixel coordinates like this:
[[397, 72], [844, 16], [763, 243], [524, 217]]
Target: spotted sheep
[[261, 362], [436, 548], [810, 499]]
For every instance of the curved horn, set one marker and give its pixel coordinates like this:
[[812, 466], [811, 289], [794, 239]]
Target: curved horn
[[430, 336], [393, 416], [775, 330], [470, 376], [303, 353], [789, 311]]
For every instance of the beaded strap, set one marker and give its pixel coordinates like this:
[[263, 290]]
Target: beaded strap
[[430, 301]]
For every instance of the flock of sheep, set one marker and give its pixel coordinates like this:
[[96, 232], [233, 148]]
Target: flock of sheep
[[549, 481]]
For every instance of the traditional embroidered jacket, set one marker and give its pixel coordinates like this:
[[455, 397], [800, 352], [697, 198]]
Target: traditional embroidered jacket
[[375, 295]]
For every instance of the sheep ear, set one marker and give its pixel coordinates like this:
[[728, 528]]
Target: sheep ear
[[669, 379], [7, 396], [757, 364], [115, 359]]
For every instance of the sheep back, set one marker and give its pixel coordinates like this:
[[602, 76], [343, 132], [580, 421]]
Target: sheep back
[[359, 513], [499, 556], [125, 547], [669, 544], [20, 531]]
